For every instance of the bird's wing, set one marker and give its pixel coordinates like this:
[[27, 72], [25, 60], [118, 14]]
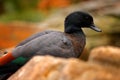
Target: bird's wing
[[33, 37], [54, 43], [58, 45]]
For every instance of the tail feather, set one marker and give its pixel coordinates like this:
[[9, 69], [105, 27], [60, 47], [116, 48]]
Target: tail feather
[[10, 68]]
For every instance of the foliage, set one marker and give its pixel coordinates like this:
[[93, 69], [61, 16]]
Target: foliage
[[23, 10], [31, 16], [29, 10], [19, 5]]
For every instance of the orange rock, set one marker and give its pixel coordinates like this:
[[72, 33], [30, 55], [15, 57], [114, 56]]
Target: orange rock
[[106, 55], [51, 68]]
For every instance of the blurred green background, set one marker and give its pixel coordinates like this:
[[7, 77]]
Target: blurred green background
[[23, 10]]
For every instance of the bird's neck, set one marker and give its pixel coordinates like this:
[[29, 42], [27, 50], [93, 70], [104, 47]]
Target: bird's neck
[[72, 29]]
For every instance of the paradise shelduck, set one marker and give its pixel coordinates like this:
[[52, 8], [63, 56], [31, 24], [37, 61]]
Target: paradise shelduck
[[69, 43]]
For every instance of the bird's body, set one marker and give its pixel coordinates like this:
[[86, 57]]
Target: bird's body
[[53, 43], [69, 43]]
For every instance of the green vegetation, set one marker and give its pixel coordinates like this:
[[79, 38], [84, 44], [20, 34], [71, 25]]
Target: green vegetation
[[22, 10], [31, 16]]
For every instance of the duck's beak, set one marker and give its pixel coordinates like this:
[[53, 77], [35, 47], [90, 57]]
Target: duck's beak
[[95, 28]]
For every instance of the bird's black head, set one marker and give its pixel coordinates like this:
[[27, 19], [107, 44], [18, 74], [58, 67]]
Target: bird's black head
[[76, 20]]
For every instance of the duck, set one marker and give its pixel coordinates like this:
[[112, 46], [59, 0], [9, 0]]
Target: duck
[[67, 44]]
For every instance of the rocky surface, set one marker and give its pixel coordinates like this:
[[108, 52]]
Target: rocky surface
[[107, 56], [51, 68]]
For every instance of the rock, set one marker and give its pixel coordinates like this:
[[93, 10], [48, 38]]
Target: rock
[[51, 68], [107, 55]]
